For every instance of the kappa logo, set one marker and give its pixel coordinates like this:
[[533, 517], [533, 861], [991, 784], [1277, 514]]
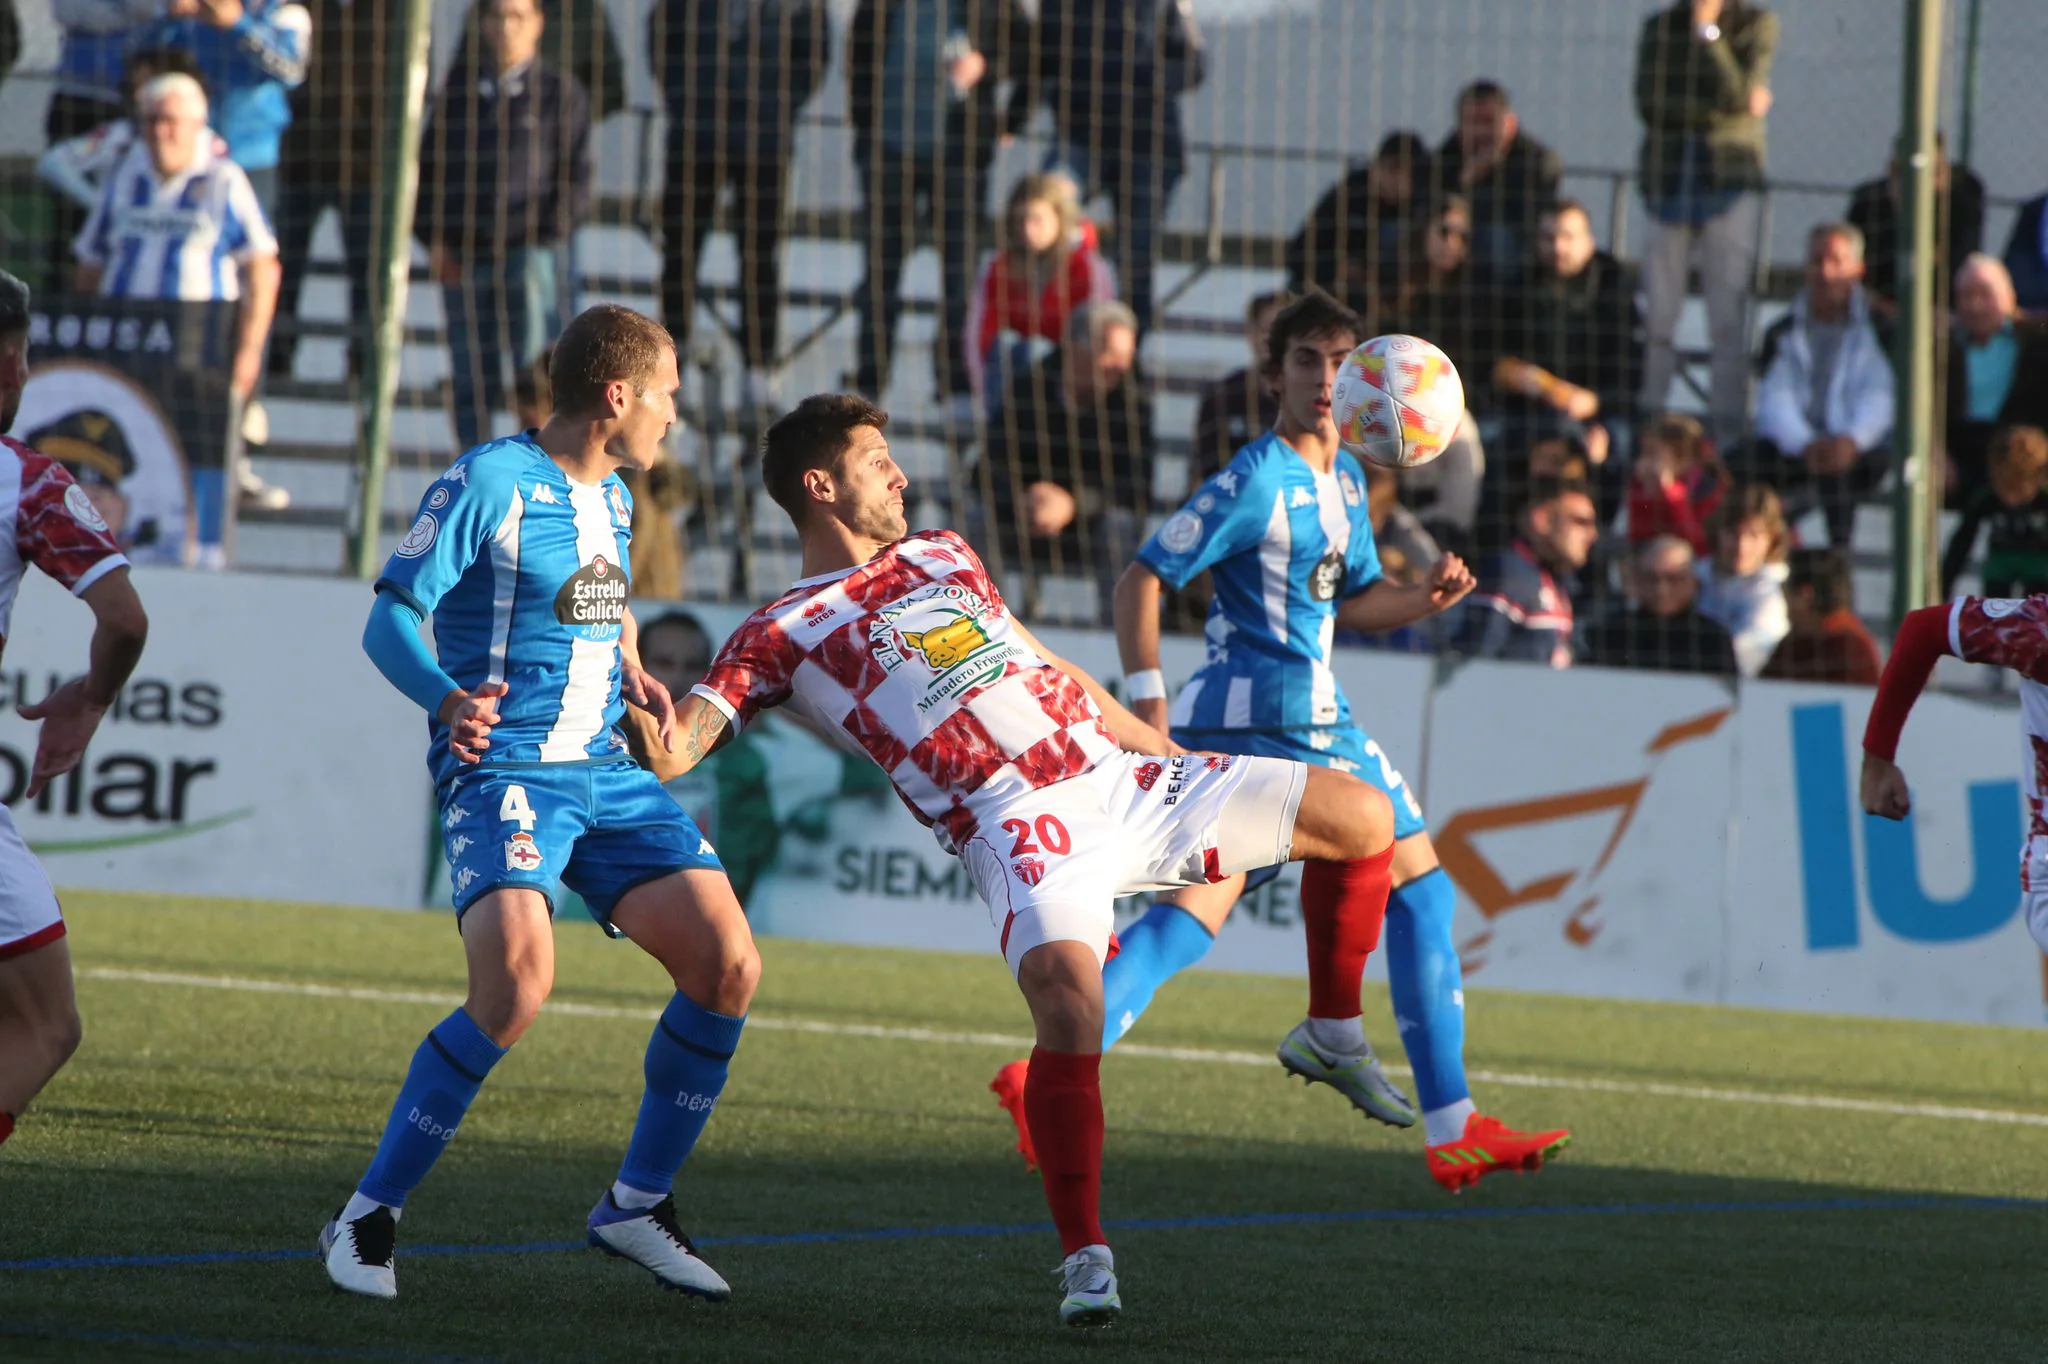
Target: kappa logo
[[458, 845], [458, 474], [456, 814], [1147, 774], [1030, 870], [543, 493], [1320, 740], [1226, 482], [464, 879], [521, 854], [704, 848], [1303, 497], [1343, 765]]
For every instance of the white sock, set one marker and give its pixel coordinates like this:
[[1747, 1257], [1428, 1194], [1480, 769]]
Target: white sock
[[628, 1197], [360, 1205], [1440, 1125], [1339, 1036]]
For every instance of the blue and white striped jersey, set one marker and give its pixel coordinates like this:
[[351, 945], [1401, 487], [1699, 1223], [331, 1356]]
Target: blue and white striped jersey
[[1283, 544], [525, 575], [183, 236]]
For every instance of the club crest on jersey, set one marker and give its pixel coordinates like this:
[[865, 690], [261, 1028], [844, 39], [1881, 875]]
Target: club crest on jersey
[[1147, 774], [1030, 870], [79, 504], [521, 854], [1327, 576], [593, 600], [622, 518], [1353, 495], [1181, 533], [949, 645], [420, 538]]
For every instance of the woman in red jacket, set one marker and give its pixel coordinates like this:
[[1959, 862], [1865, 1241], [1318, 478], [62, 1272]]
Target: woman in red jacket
[[1047, 267]]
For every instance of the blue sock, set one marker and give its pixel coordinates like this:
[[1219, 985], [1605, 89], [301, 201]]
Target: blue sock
[[1428, 986], [447, 1071], [1166, 941], [687, 1059]]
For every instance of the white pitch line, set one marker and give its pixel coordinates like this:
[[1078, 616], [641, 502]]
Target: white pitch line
[[1203, 1056]]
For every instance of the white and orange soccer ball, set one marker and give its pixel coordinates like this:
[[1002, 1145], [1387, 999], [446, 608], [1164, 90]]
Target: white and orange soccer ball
[[1397, 401]]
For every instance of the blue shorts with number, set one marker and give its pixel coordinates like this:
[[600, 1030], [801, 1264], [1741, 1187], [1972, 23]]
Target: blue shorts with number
[[1343, 747], [598, 828]]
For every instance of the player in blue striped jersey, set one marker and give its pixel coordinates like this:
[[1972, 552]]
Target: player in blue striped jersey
[[1285, 535], [520, 555]]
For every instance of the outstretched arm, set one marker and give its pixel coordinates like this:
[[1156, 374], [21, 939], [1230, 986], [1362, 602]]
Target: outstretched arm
[[1131, 734], [701, 729], [1923, 639], [1389, 606]]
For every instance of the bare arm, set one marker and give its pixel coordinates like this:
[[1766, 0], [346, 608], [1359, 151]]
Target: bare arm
[[71, 714], [701, 730], [1131, 734], [259, 305], [1389, 606], [1137, 635]]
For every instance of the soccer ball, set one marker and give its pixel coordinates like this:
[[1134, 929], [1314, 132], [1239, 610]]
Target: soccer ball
[[1397, 402]]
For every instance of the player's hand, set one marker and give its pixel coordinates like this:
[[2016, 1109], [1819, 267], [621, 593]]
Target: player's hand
[[650, 693], [1449, 582], [1884, 789], [1580, 404], [69, 721], [1152, 712], [470, 717], [1760, 101]]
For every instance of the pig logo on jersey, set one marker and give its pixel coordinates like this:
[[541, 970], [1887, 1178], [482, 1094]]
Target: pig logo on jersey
[[1327, 576], [593, 600], [948, 645], [947, 629], [1030, 870]]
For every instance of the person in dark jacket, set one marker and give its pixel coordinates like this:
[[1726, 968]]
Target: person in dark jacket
[[1503, 174], [1240, 406], [2026, 255], [1703, 86], [1350, 244], [922, 77], [1997, 371], [1958, 224], [1523, 608], [1114, 72], [1660, 628], [735, 74], [504, 179]]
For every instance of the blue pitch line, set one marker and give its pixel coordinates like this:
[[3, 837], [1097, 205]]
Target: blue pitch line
[[264, 1347], [1204, 1222]]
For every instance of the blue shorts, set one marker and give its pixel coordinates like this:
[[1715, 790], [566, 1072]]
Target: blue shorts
[[1343, 747], [598, 828]]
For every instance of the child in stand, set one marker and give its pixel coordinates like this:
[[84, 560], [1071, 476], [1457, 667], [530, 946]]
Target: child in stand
[[1742, 587], [1678, 483], [1048, 266], [2014, 504]]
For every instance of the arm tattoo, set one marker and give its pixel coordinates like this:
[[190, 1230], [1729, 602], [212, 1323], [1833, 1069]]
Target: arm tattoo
[[704, 729]]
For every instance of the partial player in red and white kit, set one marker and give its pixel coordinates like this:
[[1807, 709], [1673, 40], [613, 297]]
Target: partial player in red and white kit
[[49, 522], [2006, 632], [1055, 797]]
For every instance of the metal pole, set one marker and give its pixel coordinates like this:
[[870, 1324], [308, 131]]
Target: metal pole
[[1913, 435], [1966, 132], [405, 87]]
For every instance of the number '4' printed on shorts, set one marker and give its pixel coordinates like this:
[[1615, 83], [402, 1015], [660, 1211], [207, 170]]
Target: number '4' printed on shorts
[[514, 809]]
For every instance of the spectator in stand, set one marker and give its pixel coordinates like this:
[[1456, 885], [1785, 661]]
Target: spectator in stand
[[1997, 370], [1045, 268], [1350, 244], [93, 54], [78, 168], [10, 38], [1504, 176], [1114, 72], [1660, 627], [332, 157], [922, 81], [735, 74], [1742, 587], [1241, 406], [1570, 344], [1958, 224], [1703, 86], [1676, 482], [177, 221], [252, 53], [1827, 642], [578, 42], [1523, 608], [1824, 405], [1434, 298], [1067, 476], [504, 179], [2014, 503], [2026, 255]]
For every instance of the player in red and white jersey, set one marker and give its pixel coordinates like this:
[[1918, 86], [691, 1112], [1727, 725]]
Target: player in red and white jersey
[[2006, 632], [49, 522], [1055, 797]]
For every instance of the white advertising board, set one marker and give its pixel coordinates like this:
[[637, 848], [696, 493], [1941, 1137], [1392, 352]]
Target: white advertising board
[[254, 753]]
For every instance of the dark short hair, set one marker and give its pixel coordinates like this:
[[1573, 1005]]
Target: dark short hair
[[13, 307], [1264, 299], [1557, 208], [1484, 88], [1314, 314], [168, 61], [1826, 571], [1545, 489], [1406, 146], [812, 435], [604, 345]]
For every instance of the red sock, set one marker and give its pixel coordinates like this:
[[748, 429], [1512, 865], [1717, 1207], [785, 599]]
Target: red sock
[[6, 1127], [1342, 907], [1063, 1105]]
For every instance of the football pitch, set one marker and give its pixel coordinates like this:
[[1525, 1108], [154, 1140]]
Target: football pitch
[[1742, 1186]]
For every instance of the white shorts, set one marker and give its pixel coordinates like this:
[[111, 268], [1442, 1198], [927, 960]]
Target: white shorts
[[1051, 864], [29, 917]]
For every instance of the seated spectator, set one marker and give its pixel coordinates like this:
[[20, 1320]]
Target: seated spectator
[[2026, 255], [1067, 475], [1241, 406], [1660, 628], [78, 167], [1350, 244], [1827, 642], [252, 52], [1506, 177], [1045, 267], [1523, 608], [1675, 483], [176, 221], [1997, 371], [2014, 502], [1742, 587], [1824, 404], [1570, 341], [1958, 224], [1433, 298], [504, 179]]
